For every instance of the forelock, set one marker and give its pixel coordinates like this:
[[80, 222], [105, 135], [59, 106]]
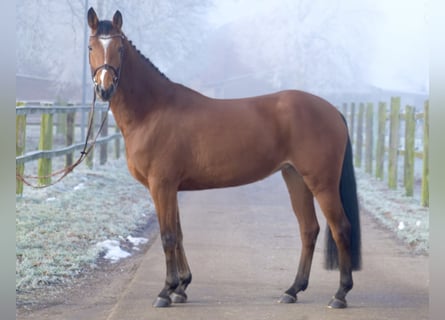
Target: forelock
[[104, 28]]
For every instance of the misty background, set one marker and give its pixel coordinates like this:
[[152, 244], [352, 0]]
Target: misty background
[[340, 49]]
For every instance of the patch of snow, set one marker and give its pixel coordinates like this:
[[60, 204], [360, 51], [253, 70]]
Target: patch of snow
[[401, 225], [80, 186], [114, 252], [137, 241], [51, 199], [112, 249]]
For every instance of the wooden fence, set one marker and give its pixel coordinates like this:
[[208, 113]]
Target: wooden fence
[[379, 142], [65, 124]]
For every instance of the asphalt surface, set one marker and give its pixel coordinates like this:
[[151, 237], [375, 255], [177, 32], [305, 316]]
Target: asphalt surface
[[243, 248]]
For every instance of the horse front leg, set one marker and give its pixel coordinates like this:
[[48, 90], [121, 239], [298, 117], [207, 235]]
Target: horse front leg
[[165, 199], [185, 276]]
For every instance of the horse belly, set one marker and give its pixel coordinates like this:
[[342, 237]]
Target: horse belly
[[231, 179], [234, 166]]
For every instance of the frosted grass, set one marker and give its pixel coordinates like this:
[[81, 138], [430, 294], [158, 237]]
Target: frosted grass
[[58, 228], [402, 215]]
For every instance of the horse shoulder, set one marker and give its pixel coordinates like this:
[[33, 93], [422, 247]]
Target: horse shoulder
[[136, 173]]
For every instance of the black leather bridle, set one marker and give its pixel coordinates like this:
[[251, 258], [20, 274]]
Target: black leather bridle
[[116, 70]]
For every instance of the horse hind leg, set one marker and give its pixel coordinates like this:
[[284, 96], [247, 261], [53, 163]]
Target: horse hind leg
[[330, 203], [185, 276], [303, 206]]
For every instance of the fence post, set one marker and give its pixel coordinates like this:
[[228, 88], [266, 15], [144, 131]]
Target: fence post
[[345, 110], [44, 165], [380, 148], [61, 122], [117, 144], [408, 167], [369, 143], [351, 123], [89, 159], [425, 201], [393, 142], [70, 134], [359, 136], [104, 133], [20, 143]]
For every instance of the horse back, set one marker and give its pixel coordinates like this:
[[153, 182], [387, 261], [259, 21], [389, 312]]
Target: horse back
[[202, 143]]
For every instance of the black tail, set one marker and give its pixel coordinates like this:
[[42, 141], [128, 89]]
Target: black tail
[[348, 193]]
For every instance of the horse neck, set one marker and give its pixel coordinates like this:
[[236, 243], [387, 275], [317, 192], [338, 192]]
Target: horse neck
[[142, 89]]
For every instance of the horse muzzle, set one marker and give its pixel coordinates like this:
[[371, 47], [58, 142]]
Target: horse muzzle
[[105, 94]]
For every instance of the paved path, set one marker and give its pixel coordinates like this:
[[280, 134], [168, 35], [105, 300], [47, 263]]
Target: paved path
[[242, 245]]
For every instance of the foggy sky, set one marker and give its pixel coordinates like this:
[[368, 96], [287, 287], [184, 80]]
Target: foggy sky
[[398, 43], [335, 44]]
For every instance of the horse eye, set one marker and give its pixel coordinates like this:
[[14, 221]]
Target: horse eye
[[90, 48]]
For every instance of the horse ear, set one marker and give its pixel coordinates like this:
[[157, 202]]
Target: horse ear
[[93, 21], [117, 20]]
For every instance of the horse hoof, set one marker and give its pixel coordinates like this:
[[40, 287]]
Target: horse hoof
[[161, 302], [336, 303], [178, 298], [287, 298]]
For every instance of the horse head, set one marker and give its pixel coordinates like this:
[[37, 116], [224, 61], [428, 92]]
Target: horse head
[[105, 53]]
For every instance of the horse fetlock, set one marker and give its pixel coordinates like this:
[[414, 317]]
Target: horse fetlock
[[172, 283], [186, 280], [301, 285], [346, 285]]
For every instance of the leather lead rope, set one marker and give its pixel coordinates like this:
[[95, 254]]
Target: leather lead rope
[[83, 154]]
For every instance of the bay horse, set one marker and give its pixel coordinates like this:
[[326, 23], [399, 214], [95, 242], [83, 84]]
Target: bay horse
[[177, 139]]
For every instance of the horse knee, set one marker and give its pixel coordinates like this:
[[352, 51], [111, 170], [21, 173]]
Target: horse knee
[[169, 241], [309, 236]]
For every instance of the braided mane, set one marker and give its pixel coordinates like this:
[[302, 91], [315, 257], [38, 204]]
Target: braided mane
[[147, 60], [105, 27]]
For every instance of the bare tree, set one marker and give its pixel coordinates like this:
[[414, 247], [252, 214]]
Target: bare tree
[[310, 44], [50, 33]]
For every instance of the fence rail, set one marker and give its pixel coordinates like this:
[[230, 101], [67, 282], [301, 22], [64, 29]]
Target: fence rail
[[48, 154], [54, 109], [64, 127], [377, 136]]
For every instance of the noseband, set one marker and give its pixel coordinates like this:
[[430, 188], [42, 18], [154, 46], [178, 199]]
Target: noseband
[[106, 66]]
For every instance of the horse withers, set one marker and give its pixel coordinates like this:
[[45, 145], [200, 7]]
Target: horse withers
[[177, 139]]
